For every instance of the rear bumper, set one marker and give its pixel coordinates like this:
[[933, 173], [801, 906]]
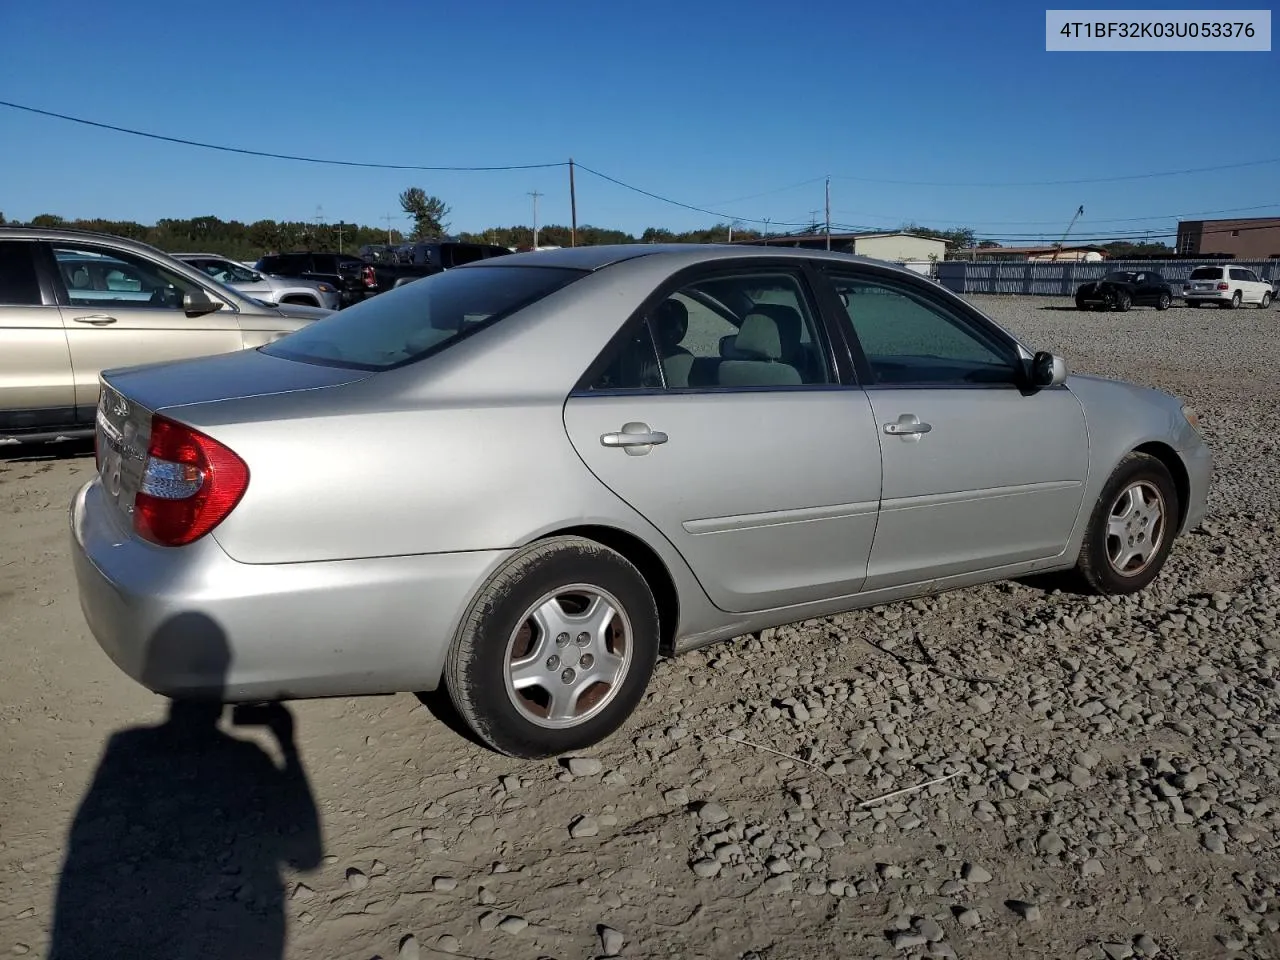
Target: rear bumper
[[192, 622]]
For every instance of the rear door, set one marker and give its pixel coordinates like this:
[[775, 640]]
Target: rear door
[[36, 386], [757, 460], [120, 309], [978, 474]]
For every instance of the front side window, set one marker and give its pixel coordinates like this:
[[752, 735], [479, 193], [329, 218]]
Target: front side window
[[421, 318], [98, 277], [912, 339], [732, 330], [224, 271]]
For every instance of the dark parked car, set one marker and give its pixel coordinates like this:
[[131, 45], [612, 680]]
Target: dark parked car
[[1122, 289], [395, 266], [353, 277]]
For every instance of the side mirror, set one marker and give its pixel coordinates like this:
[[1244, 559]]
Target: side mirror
[[1048, 370], [196, 303]]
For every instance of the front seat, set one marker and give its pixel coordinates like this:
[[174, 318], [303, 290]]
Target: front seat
[[759, 344], [670, 325], [790, 333]]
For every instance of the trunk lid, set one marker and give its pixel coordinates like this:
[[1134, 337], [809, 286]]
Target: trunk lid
[[131, 395]]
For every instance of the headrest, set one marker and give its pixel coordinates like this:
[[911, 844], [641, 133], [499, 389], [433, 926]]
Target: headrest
[[758, 339], [790, 323], [670, 323]]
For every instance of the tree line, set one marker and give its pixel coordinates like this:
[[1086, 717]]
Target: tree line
[[249, 241]]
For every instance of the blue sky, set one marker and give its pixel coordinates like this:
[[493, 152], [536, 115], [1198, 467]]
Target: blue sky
[[705, 102]]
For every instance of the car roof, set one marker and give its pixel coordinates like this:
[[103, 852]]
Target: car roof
[[599, 257], [14, 232]]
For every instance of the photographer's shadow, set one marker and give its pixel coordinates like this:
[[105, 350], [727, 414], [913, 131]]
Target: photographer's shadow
[[177, 848]]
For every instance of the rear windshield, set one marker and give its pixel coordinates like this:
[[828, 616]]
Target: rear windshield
[[420, 318], [1206, 273]]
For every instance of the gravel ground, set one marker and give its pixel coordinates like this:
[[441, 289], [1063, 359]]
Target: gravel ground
[[1111, 765]]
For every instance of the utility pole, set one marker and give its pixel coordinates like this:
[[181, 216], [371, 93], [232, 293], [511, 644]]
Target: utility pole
[[573, 209], [387, 217], [339, 236], [535, 194], [828, 213], [766, 231], [731, 223]]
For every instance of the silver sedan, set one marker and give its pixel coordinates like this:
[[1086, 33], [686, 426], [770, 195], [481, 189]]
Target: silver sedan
[[527, 478]]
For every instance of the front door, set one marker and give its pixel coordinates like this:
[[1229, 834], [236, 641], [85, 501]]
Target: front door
[[978, 474], [721, 420], [36, 390], [120, 309]]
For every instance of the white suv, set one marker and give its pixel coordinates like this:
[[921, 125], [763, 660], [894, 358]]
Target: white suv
[[1227, 287]]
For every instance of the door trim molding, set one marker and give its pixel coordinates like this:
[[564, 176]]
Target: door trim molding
[[968, 496], [775, 518]]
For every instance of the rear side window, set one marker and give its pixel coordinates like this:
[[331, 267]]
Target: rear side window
[[456, 254], [291, 263], [19, 285], [1206, 273], [421, 318]]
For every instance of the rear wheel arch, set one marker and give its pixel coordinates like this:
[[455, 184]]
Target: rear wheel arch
[[1177, 469], [651, 566], [301, 300]]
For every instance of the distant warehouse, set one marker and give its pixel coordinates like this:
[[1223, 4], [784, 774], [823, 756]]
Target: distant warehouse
[[898, 245], [1253, 238]]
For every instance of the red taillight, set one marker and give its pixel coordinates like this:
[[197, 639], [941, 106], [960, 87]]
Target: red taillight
[[370, 278], [189, 485], [1223, 286]]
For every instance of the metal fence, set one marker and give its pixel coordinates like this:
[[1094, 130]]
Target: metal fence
[[1061, 279]]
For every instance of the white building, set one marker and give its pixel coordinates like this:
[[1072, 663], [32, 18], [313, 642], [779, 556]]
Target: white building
[[899, 247]]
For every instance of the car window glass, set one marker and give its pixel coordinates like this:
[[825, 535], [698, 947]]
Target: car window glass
[[910, 338], [421, 318], [749, 330], [1206, 273], [97, 277], [19, 284], [634, 364]]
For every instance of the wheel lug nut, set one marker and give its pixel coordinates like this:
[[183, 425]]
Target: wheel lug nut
[[584, 639], [561, 639], [553, 662], [586, 661], [568, 675]]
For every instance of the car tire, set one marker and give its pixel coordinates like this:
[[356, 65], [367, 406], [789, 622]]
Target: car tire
[[1123, 301], [1236, 299], [1139, 504], [505, 640], [1164, 301], [1080, 303], [1265, 301]]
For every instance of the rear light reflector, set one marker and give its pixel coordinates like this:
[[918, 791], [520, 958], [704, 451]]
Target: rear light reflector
[[1223, 286], [370, 278], [190, 483]]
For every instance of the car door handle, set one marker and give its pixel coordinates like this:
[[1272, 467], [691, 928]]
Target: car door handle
[[97, 319], [633, 435], [907, 425]]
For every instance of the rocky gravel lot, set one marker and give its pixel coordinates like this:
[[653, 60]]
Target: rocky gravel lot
[[1103, 772]]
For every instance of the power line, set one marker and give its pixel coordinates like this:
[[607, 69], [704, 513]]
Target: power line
[[677, 203], [1032, 223], [277, 156], [1056, 183]]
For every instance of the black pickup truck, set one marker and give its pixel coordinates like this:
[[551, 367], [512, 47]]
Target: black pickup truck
[[380, 268], [353, 277], [393, 267]]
